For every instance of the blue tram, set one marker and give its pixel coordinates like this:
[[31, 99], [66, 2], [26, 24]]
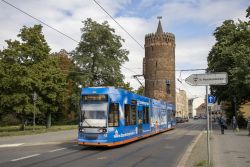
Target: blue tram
[[111, 116]]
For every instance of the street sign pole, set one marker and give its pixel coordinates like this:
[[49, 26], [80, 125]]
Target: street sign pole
[[211, 120], [208, 143], [207, 79]]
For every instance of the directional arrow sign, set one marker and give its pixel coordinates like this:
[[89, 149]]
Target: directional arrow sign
[[210, 99], [207, 79]]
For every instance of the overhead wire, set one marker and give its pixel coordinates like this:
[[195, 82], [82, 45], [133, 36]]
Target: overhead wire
[[118, 24], [179, 79], [122, 29], [85, 73], [49, 26], [69, 37], [40, 21]]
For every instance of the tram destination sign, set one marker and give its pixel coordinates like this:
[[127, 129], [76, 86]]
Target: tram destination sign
[[207, 79]]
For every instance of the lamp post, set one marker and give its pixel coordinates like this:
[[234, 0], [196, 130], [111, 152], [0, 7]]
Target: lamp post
[[235, 111], [34, 109]]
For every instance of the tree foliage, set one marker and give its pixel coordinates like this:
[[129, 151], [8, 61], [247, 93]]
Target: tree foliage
[[140, 91], [70, 100], [27, 67], [99, 55], [231, 54]]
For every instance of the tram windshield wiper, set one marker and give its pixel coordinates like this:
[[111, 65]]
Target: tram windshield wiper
[[84, 119]]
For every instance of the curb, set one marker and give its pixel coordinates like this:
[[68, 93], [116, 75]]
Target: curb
[[188, 152]]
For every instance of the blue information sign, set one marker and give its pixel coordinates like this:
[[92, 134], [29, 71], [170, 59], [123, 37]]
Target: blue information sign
[[210, 99]]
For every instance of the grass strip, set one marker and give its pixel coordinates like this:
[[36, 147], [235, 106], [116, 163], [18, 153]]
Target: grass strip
[[15, 130]]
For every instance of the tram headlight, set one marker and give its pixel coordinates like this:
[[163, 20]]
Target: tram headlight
[[81, 129], [102, 130]]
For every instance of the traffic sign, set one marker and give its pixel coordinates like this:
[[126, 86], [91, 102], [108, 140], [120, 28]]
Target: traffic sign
[[207, 79], [210, 99]]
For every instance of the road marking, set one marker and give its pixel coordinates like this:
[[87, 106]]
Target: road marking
[[57, 150], [102, 158], [34, 155], [11, 145]]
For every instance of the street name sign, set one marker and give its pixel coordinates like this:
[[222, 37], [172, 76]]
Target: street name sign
[[207, 79]]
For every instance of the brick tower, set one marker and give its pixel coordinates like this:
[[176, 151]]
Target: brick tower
[[159, 65]]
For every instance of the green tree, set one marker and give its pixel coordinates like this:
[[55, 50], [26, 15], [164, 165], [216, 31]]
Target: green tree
[[231, 54], [69, 106], [99, 55], [50, 85], [28, 67], [140, 91]]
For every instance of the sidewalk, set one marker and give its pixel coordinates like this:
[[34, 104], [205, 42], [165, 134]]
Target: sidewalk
[[229, 150]]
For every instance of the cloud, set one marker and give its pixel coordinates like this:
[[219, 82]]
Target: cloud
[[207, 11], [192, 22], [193, 49]]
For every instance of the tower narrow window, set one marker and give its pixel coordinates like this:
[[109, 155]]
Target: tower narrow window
[[168, 86]]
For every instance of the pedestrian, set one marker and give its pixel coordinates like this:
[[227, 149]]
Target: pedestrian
[[222, 124], [248, 125], [234, 123]]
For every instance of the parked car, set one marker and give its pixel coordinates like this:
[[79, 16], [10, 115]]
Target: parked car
[[196, 117], [178, 119], [204, 117], [185, 119]]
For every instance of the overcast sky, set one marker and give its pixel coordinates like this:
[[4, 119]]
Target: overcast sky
[[192, 22]]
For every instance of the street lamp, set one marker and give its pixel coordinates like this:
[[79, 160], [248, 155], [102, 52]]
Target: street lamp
[[34, 113]]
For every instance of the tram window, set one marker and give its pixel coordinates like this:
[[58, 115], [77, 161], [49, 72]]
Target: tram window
[[133, 115], [133, 102], [127, 114], [146, 115], [169, 116], [113, 114]]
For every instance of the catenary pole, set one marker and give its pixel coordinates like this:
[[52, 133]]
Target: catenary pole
[[208, 144]]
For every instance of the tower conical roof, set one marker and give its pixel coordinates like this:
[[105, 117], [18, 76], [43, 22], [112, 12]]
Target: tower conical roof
[[159, 28]]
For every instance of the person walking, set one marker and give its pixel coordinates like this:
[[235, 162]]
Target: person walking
[[222, 124], [248, 125], [234, 123]]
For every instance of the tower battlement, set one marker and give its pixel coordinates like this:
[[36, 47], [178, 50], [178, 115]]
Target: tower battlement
[[165, 37]]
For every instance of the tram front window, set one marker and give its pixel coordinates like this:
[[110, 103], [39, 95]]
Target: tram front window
[[94, 114]]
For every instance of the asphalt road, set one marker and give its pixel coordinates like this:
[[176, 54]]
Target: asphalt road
[[164, 149]]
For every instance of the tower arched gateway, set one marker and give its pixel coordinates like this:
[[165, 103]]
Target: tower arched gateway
[[159, 65]]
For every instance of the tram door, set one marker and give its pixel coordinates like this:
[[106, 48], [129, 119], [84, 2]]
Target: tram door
[[139, 119]]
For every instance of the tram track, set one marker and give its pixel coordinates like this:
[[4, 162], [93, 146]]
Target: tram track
[[177, 133], [148, 145], [64, 156], [164, 149]]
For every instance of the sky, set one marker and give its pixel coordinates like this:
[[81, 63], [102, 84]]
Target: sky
[[191, 21]]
